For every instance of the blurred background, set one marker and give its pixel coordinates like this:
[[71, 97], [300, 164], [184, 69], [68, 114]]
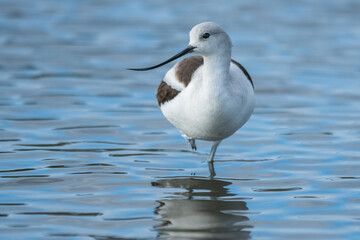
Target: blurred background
[[85, 153]]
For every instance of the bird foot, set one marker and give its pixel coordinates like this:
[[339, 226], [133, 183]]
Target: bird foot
[[192, 144], [211, 169]]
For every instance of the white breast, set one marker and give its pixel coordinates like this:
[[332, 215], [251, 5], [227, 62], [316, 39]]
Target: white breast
[[210, 113]]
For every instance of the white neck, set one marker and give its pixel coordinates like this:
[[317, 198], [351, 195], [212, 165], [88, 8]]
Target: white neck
[[216, 72]]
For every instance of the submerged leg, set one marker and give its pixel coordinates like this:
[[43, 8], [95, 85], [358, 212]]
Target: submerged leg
[[211, 158], [211, 169], [192, 144]]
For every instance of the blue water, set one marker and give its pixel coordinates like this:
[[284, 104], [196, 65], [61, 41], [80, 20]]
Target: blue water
[[85, 153]]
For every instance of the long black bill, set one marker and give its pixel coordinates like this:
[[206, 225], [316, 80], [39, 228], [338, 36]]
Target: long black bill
[[189, 49]]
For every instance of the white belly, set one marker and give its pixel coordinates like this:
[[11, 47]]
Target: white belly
[[211, 115]]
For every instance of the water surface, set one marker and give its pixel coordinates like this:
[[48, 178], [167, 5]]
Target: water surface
[[86, 153]]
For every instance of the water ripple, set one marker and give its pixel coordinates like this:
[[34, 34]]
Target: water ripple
[[86, 153]]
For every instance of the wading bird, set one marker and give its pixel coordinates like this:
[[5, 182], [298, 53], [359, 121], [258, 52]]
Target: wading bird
[[206, 97]]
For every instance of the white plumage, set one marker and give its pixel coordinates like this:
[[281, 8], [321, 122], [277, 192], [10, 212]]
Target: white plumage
[[211, 108]]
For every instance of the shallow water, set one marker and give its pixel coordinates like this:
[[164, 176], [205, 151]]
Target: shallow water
[[86, 153]]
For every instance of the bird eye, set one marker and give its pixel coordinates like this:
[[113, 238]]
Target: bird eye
[[206, 35]]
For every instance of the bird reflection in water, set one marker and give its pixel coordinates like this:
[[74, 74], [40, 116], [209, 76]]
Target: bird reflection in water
[[199, 212]]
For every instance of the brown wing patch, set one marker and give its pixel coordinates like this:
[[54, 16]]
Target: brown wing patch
[[244, 71], [187, 67], [165, 93]]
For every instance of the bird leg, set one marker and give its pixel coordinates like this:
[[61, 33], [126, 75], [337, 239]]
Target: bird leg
[[192, 144], [211, 158], [213, 151], [211, 169]]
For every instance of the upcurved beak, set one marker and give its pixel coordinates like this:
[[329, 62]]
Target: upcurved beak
[[187, 50]]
